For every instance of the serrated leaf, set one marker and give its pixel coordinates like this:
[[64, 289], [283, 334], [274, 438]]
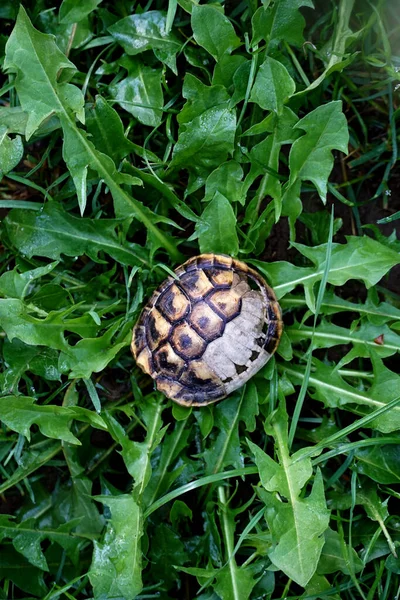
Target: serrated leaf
[[206, 132], [137, 455], [227, 180], [73, 11], [116, 566], [91, 355], [360, 258], [19, 358], [17, 285], [140, 93], [216, 229], [296, 523], [19, 413], [140, 32], [337, 556], [26, 539], [379, 463], [363, 338], [106, 130], [331, 389], [213, 31], [281, 21], [17, 569], [273, 86], [11, 151], [311, 157], [52, 232], [37, 62], [18, 322]]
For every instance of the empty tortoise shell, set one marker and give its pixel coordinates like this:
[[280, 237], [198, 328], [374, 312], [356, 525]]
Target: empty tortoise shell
[[206, 332]]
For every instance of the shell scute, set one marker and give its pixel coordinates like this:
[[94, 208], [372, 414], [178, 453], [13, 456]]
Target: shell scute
[[173, 303], [225, 302], [196, 284], [167, 362], [186, 342], [206, 322]]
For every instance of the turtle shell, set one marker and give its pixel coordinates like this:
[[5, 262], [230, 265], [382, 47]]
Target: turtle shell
[[205, 332]]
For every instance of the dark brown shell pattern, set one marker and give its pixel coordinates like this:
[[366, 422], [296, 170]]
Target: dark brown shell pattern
[[205, 333]]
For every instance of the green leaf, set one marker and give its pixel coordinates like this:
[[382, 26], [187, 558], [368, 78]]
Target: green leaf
[[19, 358], [73, 11], [335, 556], [224, 448], [53, 232], [116, 566], [227, 180], [107, 131], [37, 62], [296, 523], [379, 463], [137, 455], [18, 285], [217, 228], [213, 31], [280, 22], [327, 335], [331, 389], [311, 157], [334, 50], [360, 258], [206, 132], [27, 539], [17, 569], [140, 93], [17, 322], [19, 413], [163, 473], [273, 86], [141, 32], [11, 151], [92, 355]]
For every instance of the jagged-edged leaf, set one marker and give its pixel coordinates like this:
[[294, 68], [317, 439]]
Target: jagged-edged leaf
[[213, 31], [365, 337], [206, 132], [328, 386], [360, 258], [11, 151], [18, 322], [19, 413], [17, 285], [216, 228], [140, 93], [53, 232], [273, 86], [26, 538], [116, 569], [282, 21], [38, 62], [19, 358], [92, 354], [296, 523], [137, 455], [146, 31], [311, 157]]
